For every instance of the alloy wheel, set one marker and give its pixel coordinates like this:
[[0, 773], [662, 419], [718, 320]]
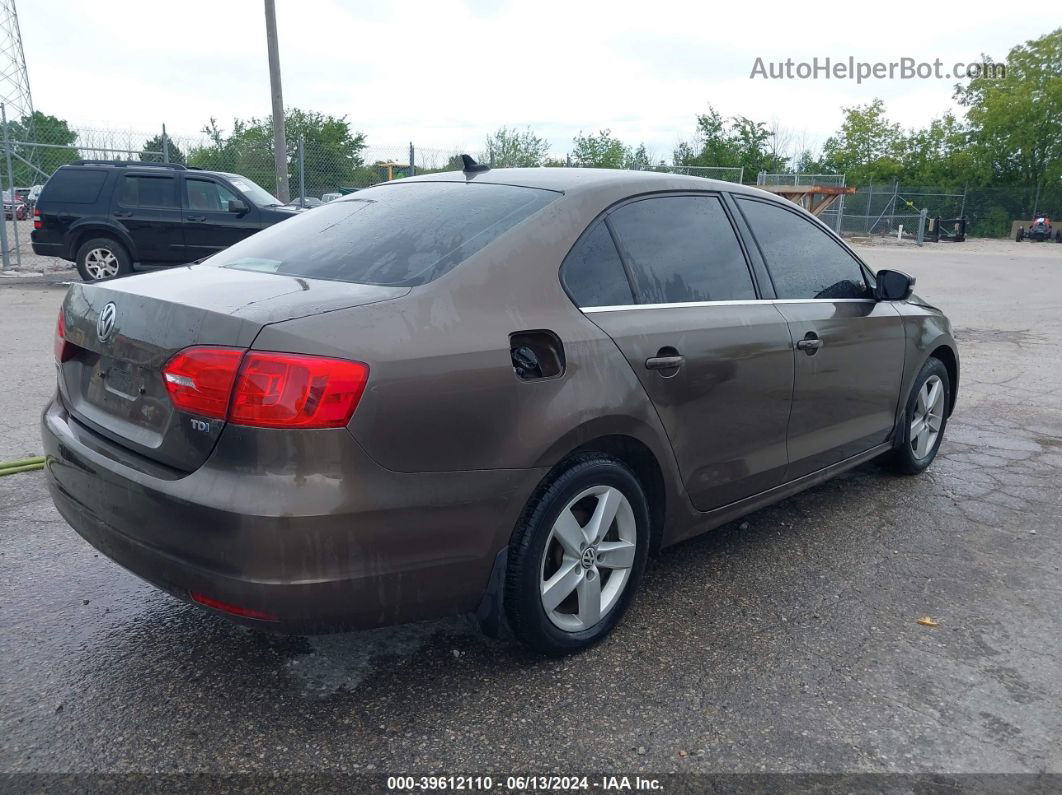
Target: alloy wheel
[[588, 558], [100, 263], [928, 417]]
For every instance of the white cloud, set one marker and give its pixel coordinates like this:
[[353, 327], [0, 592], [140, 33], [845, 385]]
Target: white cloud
[[445, 73]]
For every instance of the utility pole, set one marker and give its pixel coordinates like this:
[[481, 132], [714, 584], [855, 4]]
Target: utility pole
[[280, 151]]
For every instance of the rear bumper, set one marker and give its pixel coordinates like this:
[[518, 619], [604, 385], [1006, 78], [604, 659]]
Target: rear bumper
[[317, 534], [50, 249]]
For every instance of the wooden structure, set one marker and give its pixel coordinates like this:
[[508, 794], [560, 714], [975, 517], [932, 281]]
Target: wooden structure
[[816, 199]]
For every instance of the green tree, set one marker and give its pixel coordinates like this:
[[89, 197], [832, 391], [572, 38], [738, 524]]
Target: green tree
[[171, 154], [34, 164], [602, 151], [511, 148], [333, 154], [1016, 121], [868, 147], [738, 142]]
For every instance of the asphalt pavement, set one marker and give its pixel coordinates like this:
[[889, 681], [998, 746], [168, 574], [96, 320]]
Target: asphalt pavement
[[785, 642]]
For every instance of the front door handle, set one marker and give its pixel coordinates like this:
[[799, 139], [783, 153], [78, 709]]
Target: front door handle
[[664, 362], [195, 217], [810, 344]]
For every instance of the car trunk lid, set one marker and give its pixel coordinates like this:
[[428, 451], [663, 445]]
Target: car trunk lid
[[125, 331]]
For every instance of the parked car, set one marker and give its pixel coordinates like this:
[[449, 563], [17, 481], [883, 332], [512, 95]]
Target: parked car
[[110, 216], [482, 391], [33, 195], [15, 209], [330, 197]]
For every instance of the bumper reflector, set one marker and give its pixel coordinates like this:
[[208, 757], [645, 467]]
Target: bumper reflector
[[235, 610]]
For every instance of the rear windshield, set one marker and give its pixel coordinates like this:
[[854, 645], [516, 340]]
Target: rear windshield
[[400, 234], [74, 186]]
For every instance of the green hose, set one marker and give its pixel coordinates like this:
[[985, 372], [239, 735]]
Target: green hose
[[21, 465]]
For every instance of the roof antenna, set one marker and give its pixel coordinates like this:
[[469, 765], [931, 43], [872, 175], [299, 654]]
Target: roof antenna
[[471, 166]]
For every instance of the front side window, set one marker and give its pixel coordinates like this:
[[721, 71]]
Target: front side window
[[400, 234], [804, 260], [682, 249], [207, 195], [593, 272], [147, 191]]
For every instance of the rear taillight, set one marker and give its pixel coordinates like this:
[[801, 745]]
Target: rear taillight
[[200, 380], [268, 390], [37, 223], [279, 390], [63, 350]]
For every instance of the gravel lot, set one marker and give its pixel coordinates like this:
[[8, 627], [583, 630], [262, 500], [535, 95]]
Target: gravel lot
[[786, 642]]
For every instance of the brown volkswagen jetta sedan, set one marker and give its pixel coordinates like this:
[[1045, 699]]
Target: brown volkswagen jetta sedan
[[480, 391]]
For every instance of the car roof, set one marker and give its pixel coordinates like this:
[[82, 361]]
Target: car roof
[[568, 180]]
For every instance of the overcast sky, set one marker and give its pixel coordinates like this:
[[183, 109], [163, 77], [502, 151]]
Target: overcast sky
[[446, 72]]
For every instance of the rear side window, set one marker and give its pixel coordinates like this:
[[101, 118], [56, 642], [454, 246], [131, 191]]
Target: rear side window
[[681, 249], [593, 273], [398, 234], [147, 191], [804, 260], [74, 186]]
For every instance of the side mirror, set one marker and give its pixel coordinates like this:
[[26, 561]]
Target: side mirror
[[238, 206], [893, 286]]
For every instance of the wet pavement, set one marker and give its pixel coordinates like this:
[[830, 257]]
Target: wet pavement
[[787, 641]]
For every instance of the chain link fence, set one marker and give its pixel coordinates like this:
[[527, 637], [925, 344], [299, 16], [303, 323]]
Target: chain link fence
[[320, 169]]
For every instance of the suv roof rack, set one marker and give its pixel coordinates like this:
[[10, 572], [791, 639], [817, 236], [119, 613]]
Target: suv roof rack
[[136, 163]]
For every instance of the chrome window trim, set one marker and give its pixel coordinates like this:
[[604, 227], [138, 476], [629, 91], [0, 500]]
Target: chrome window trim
[[749, 302]]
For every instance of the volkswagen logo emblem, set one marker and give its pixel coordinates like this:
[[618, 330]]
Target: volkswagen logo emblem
[[589, 558], [105, 322]]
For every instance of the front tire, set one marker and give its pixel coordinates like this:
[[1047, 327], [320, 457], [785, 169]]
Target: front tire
[[924, 420], [577, 556], [102, 258]]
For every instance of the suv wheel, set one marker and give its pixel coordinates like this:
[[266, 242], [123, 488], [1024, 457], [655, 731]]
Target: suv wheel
[[927, 415], [577, 556], [102, 258]]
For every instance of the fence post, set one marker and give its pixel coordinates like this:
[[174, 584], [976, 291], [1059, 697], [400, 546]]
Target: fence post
[[962, 207], [165, 146], [412, 165], [866, 221], [921, 225], [10, 186], [302, 171], [4, 254], [840, 208]]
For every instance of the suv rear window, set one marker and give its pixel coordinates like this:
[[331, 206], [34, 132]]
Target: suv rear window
[[401, 235], [74, 186]]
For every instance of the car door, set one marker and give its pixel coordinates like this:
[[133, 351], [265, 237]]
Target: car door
[[146, 205], [209, 225], [667, 278], [848, 348]]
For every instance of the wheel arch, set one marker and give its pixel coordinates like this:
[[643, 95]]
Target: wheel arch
[[946, 355], [78, 235], [641, 460]]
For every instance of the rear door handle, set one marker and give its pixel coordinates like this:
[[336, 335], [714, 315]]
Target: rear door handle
[[195, 217], [664, 362], [810, 344], [123, 213]]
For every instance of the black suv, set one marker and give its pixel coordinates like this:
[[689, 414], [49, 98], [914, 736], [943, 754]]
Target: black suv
[[106, 215]]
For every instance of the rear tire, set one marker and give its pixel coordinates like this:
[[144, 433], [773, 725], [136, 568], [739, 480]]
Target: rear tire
[[577, 556], [102, 258], [925, 419]]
